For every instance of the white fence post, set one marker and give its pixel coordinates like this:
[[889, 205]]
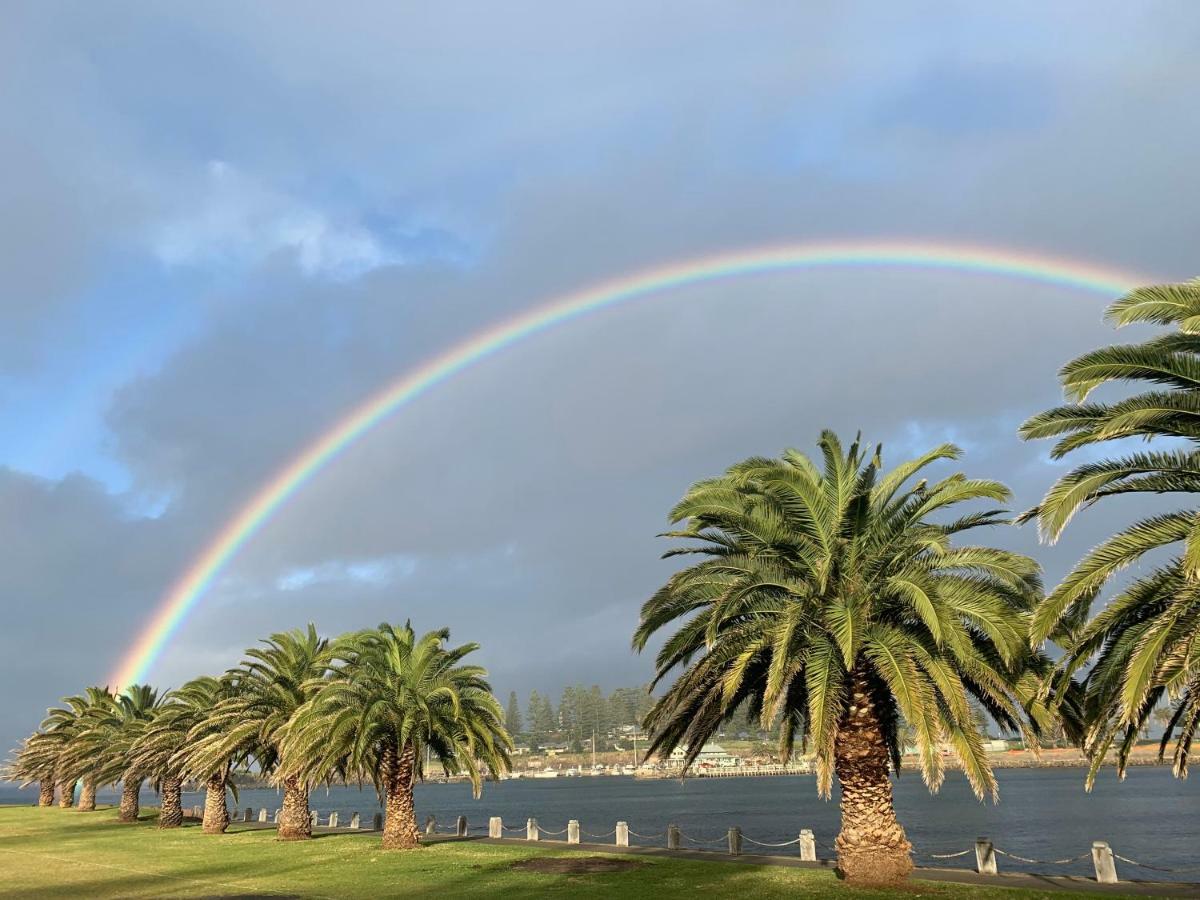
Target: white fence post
[[315, 818], [377, 822], [333, 820], [430, 824], [248, 815], [1102, 859], [461, 830], [672, 837], [262, 814], [531, 830], [573, 831], [622, 834], [355, 821], [985, 857], [735, 841], [808, 846], [495, 827]]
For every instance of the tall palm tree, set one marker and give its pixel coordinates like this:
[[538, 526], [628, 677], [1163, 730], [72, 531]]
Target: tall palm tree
[[272, 683], [1143, 643], [101, 745], [36, 761], [831, 602], [196, 724], [65, 724], [390, 698], [163, 750]]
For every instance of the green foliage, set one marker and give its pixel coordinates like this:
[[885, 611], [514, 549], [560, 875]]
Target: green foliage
[[809, 573], [389, 691], [1141, 647], [259, 699]]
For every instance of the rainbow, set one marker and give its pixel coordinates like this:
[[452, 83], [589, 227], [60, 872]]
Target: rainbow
[[185, 593]]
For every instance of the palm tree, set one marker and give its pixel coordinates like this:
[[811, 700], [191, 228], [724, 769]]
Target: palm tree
[[272, 683], [193, 728], [163, 750], [390, 698], [36, 761], [65, 724], [100, 747], [831, 602], [1143, 642]]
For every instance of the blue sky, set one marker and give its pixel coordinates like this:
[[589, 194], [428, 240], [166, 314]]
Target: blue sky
[[226, 224]]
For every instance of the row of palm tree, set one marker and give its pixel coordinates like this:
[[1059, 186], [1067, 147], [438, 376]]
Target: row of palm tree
[[369, 706], [832, 600]]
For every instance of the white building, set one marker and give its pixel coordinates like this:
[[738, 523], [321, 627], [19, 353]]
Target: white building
[[710, 756]]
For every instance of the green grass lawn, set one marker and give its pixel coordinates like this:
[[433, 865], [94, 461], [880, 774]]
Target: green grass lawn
[[53, 852]]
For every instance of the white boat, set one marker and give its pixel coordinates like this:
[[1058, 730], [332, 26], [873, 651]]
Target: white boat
[[546, 773]]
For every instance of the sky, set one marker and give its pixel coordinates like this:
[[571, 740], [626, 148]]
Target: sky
[[226, 224]]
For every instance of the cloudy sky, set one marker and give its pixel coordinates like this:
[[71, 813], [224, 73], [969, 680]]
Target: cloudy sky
[[226, 223]]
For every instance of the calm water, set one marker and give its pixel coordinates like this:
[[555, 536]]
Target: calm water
[[1043, 813]]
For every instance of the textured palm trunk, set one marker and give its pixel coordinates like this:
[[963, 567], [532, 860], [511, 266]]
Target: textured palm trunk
[[295, 822], [130, 808], [171, 814], [400, 816], [45, 793], [87, 796], [872, 847], [66, 794], [216, 813]]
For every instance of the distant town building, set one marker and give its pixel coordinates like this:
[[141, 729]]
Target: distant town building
[[710, 756]]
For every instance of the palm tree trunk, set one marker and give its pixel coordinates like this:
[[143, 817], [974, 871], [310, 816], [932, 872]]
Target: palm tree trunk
[[872, 847], [130, 788], [295, 823], [87, 796], [216, 813], [45, 793], [400, 815], [66, 794], [171, 814]]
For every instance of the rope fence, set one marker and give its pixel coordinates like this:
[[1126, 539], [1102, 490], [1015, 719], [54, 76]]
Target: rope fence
[[1041, 862], [750, 840]]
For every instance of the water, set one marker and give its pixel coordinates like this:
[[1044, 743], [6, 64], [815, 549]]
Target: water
[[1043, 814]]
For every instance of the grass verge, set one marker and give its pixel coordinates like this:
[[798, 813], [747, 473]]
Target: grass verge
[[55, 852]]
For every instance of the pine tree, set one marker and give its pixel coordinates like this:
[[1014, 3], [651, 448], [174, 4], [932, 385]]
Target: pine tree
[[512, 717]]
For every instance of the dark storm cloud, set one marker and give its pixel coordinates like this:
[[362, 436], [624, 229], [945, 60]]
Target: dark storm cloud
[[357, 191]]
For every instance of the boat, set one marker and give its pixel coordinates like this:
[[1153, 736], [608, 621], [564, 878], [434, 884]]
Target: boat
[[545, 773]]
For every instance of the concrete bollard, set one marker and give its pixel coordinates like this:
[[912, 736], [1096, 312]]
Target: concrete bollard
[[333, 820], [248, 816], [314, 818], [573, 831], [808, 845], [735, 841], [262, 814], [985, 857], [461, 830], [622, 834], [355, 821], [430, 824], [1102, 859], [275, 818], [377, 822], [495, 827], [531, 830], [672, 837]]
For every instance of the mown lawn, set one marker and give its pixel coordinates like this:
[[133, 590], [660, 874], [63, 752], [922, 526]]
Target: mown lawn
[[53, 852]]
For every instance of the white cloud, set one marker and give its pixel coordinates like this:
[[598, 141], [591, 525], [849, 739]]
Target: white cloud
[[372, 572], [231, 218]]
